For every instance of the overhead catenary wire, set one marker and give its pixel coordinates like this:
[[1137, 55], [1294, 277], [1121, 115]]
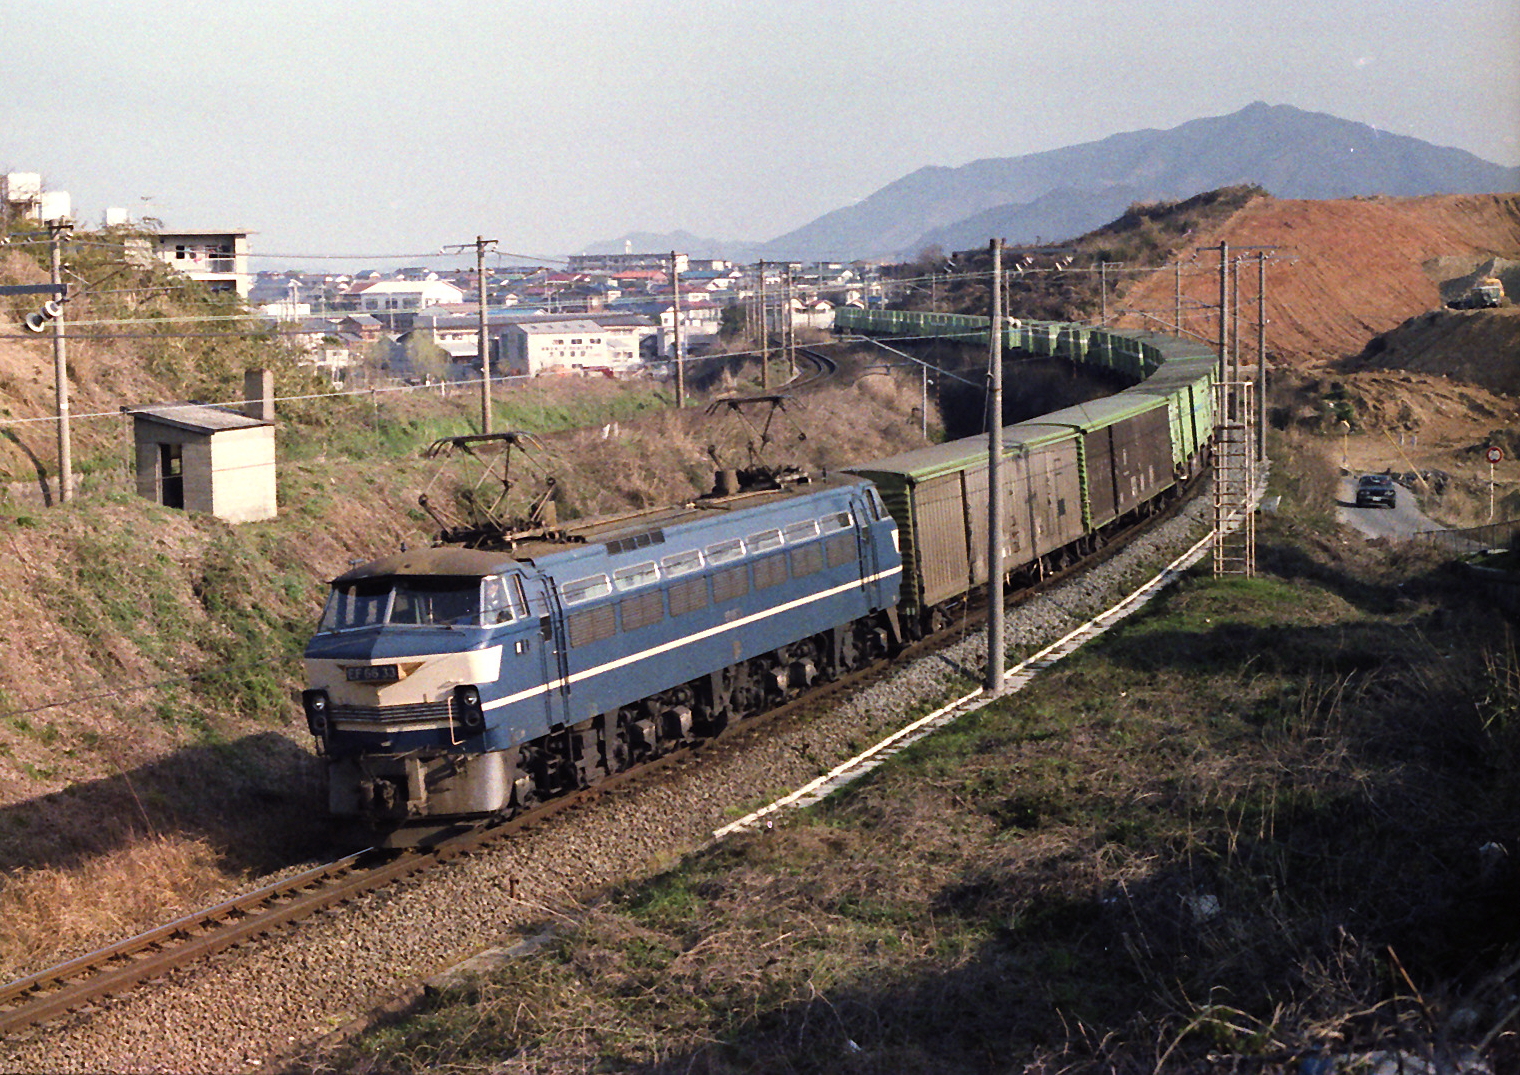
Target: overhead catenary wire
[[96, 244]]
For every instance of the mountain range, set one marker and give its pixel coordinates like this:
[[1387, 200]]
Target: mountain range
[[1062, 193]]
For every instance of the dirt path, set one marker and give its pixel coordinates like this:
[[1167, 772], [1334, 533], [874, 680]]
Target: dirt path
[[1403, 520]]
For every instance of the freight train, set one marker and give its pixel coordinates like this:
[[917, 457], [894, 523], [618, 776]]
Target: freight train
[[454, 684]]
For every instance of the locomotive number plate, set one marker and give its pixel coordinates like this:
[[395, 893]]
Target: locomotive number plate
[[373, 673]]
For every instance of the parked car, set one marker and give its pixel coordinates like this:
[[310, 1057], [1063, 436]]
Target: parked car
[[1375, 489]]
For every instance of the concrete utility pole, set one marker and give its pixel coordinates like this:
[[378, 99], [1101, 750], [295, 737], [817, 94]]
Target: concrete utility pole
[[1261, 354], [789, 327], [61, 373], [1224, 306], [994, 479], [483, 342], [765, 336], [675, 291], [1177, 300]]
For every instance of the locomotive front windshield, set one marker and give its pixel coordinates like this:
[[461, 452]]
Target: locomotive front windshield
[[421, 601]]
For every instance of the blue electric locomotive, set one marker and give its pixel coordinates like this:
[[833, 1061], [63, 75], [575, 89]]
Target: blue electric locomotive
[[449, 683]]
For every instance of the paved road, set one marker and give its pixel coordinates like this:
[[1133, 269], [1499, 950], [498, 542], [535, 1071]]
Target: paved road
[[1399, 521]]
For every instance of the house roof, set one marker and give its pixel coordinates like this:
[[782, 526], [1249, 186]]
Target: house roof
[[400, 287], [187, 233], [544, 327]]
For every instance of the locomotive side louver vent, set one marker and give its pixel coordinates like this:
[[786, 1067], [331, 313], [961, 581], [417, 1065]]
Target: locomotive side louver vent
[[637, 541]]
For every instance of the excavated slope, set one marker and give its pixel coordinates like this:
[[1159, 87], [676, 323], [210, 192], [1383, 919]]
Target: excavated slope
[[1342, 272]]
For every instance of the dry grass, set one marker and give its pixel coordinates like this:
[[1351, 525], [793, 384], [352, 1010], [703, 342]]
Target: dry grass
[[1244, 828], [44, 912], [151, 747]]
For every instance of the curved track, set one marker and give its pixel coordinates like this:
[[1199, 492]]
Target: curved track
[[824, 368], [117, 968]]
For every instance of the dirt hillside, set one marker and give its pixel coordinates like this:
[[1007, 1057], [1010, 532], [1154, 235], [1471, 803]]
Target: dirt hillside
[[1363, 349], [1478, 346], [1342, 271]]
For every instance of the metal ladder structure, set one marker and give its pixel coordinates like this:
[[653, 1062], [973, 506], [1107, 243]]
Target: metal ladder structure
[[1235, 469]]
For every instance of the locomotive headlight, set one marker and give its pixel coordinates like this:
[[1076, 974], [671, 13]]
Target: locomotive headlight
[[316, 705], [468, 712]]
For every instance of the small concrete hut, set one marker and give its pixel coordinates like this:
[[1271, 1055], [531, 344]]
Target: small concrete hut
[[211, 459]]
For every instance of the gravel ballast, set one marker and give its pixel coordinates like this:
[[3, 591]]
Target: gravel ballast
[[261, 1001]]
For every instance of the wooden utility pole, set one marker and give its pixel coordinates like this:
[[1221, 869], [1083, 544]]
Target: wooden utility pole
[[57, 231], [994, 478]]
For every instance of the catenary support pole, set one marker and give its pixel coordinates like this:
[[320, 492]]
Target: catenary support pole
[[1224, 307], [994, 478], [483, 341], [1235, 319], [789, 328], [1177, 300], [1261, 355], [765, 335]]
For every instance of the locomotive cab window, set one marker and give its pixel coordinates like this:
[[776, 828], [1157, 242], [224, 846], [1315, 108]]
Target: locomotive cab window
[[500, 599], [421, 601], [356, 605]]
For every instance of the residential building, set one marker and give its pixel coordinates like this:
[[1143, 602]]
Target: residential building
[[218, 259], [579, 345], [604, 262], [22, 198], [370, 296]]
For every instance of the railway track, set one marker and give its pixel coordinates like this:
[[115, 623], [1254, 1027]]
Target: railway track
[[116, 968], [824, 367]]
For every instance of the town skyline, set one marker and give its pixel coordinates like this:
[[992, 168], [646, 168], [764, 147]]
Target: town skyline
[[389, 136]]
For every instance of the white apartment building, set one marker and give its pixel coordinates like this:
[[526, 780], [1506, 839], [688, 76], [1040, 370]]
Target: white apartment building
[[218, 259], [571, 346], [373, 295]]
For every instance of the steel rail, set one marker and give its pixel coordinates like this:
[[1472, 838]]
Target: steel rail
[[57, 990], [117, 967]]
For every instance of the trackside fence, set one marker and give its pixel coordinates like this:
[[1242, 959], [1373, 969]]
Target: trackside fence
[[1475, 538]]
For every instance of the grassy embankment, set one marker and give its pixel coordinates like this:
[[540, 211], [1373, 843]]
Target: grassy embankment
[[152, 755], [1249, 823]]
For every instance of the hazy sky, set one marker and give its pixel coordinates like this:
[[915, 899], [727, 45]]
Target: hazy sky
[[385, 127]]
